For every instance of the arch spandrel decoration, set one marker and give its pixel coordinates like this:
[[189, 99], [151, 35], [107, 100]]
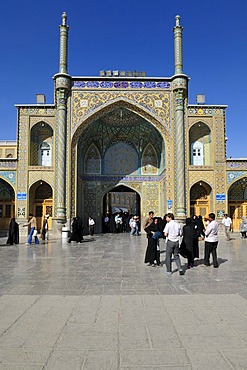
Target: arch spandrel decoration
[[35, 176], [238, 190], [6, 190], [84, 104]]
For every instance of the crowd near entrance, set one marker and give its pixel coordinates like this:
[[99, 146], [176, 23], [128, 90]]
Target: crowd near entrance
[[119, 206]]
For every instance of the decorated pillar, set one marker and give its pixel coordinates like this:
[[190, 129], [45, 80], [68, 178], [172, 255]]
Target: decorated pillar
[[62, 90], [180, 100]]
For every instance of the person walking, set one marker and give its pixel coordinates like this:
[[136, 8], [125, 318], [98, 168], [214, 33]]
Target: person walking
[[243, 227], [227, 222], [172, 231], [13, 237], [44, 232], [91, 224], [211, 241], [33, 229]]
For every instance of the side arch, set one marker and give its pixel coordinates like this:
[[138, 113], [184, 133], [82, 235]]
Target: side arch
[[201, 196], [237, 201], [200, 144], [7, 203]]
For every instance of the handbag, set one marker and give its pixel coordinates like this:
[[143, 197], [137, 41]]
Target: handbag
[[35, 233], [182, 249]]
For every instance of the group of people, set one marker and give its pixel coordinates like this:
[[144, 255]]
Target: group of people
[[193, 229], [122, 222]]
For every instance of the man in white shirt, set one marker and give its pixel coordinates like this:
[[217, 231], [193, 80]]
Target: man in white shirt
[[211, 241], [227, 222], [172, 231]]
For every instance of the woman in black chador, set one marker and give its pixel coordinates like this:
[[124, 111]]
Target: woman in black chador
[[76, 234], [13, 232], [153, 231], [187, 245]]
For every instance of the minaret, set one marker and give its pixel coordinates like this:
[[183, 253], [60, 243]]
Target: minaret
[[180, 82], [62, 90], [178, 46], [64, 30]]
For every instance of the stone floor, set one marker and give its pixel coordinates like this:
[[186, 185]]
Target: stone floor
[[95, 305]]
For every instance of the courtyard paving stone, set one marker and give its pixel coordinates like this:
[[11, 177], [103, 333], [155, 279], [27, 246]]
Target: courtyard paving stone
[[95, 305]]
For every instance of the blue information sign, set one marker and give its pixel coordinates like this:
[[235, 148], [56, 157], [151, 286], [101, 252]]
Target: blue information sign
[[169, 203], [221, 197], [21, 196]]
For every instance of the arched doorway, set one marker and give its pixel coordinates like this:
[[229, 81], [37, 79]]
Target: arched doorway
[[237, 202], [7, 204], [200, 199], [41, 202], [121, 199]]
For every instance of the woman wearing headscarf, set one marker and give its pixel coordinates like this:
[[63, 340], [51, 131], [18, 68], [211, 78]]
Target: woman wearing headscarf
[[13, 237], [243, 227], [188, 241], [152, 256]]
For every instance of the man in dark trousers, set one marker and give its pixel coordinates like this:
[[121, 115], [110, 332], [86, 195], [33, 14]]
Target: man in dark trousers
[[211, 241]]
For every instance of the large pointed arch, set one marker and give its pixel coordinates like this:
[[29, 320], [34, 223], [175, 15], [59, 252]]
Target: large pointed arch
[[116, 122], [161, 126]]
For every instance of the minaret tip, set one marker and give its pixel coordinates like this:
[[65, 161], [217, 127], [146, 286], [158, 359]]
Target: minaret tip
[[64, 19], [177, 20]]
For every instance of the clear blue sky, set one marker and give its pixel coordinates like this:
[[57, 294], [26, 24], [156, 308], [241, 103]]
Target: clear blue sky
[[127, 35]]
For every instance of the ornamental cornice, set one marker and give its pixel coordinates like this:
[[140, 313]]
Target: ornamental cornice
[[179, 83], [123, 178], [121, 85], [36, 111], [8, 164], [206, 111], [236, 165], [63, 82], [84, 104]]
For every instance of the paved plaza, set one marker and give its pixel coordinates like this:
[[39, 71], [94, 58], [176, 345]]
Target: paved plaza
[[95, 305]]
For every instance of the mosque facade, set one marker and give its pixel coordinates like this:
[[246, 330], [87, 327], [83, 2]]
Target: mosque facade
[[120, 140]]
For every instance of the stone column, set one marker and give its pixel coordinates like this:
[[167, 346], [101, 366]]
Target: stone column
[[62, 90], [180, 97], [179, 155]]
